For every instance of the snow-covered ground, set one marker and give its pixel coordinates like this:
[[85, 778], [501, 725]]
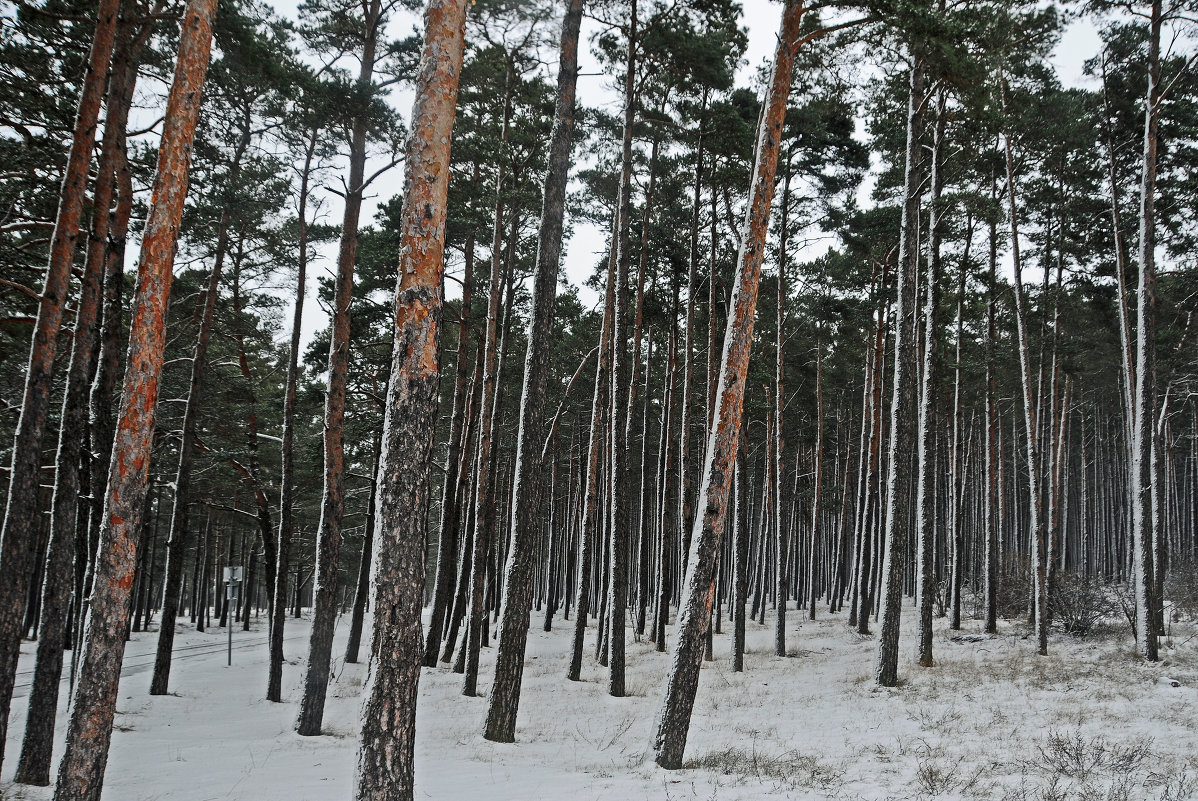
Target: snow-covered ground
[[990, 721]]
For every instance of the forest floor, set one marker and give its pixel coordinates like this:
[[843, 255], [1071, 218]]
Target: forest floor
[[991, 721]]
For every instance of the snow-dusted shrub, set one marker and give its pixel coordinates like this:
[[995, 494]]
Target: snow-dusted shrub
[[1080, 605], [1070, 766], [1181, 588], [1014, 587], [1078, 757]]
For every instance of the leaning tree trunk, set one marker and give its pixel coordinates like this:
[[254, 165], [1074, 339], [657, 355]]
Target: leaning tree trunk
[[18, 540], [903, 398], [332, 507], [176, 545], [101, 417], [504, 700], [177, 539], [93, 707], [386, 757], [669, 741], [34, 764]]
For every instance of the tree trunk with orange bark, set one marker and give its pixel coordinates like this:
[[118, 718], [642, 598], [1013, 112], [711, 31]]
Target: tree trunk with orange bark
[[93, 707], [669, 742], [18, 540], [386, 757], [332, 506], [34, 764]]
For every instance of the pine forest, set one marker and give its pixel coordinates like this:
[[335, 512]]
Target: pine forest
[[599, 399]]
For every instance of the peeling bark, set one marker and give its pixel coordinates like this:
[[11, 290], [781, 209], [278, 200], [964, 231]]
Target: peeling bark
[[386, 757], [89, 728]]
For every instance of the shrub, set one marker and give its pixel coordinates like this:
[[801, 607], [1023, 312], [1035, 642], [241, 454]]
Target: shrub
[[1014, 587], [1079, 605], [1181, 588]]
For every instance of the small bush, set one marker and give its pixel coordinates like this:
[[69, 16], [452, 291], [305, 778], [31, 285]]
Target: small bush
[[1073, 767], [1181, 588], [1014, 587], [1075, 757], [1080, 605]]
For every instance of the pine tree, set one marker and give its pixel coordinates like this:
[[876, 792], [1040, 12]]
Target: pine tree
[[93, 705], [386, 755]]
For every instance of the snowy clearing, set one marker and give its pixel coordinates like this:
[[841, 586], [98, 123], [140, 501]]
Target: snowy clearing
[[991, 721]]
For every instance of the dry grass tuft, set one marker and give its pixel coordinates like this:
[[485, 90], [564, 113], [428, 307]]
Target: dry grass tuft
[[789, 770]]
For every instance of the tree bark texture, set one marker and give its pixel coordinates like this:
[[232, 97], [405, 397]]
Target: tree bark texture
[[18, 539], [503, 702], [93, 706], [386, 756], [669, 742]]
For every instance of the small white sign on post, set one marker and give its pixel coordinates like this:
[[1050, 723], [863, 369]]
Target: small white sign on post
[[234, 575]]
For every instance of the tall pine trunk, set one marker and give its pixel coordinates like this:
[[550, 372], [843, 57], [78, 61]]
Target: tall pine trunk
[[1038, 525], [903, 405], [504, 700], [34, 764], [669, 742], [386, 757], [19, 538], [278, 593], [362, 587], [455, 469], [93, 706], [619, 496], [332, 505], [484, 501], [925, 499], [1145, 515]]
